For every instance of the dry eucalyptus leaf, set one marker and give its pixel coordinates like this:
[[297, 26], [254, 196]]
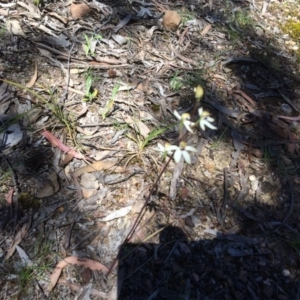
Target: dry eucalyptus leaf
[[17, 240], [85, 262], [3, 12], [26, 261], [120, 39], [33, 79], [117, 214], [33, 9], [89, 181], [87, 193], [61, 40], [58, 17], [42, 27], [12, 135], [78, 11], [98, 166], [205, 30], [32, 116], [13, 26], [50, 188], [9, 196], [139, 126]]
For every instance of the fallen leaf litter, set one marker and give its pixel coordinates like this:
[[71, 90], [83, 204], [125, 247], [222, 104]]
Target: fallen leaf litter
[[225, 226]]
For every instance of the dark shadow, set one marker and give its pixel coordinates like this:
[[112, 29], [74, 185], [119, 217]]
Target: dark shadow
[[229, 266]]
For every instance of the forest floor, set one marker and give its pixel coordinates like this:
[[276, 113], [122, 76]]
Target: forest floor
[[90, 209]]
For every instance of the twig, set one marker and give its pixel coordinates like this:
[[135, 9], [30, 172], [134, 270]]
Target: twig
[[183, 58], [288, 101], [183, 35], [225, 198], [65, 94], [197, 179]]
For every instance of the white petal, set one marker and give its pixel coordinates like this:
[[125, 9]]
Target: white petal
[[177, 155], [172, 148], [209, 119], [160, 148], [186, 156], [187, 125], [209, 125], [190, 148], [177, 115], [202, 125], [200, 111]]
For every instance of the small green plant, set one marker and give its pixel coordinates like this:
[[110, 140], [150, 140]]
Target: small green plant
[[4, 182], [3, 31], [242, 18], [142, 142], [88, 46], [41, 250], [217, 143], [51, 104], [194, 78], [186, 16], [267, 156], [233, 34], [176, 83], [25, 276], [110, 103], [90, 92]]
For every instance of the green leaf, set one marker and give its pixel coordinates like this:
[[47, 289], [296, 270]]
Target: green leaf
[[88, 84], [154, 134]]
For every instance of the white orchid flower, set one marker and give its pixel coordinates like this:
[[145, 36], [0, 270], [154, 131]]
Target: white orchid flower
[[205, 120], [184, 120], [163, 149], [182, 151]]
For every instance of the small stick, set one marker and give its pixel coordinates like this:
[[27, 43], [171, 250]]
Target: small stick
[[65, 94]]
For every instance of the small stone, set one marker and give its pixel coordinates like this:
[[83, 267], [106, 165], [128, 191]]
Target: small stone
[[256, 152], [87, 193], [286, 109], [286, 273], [171, 20], [189, 222], [111, 73], [252, 177], [286, 161], [254, 185]]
